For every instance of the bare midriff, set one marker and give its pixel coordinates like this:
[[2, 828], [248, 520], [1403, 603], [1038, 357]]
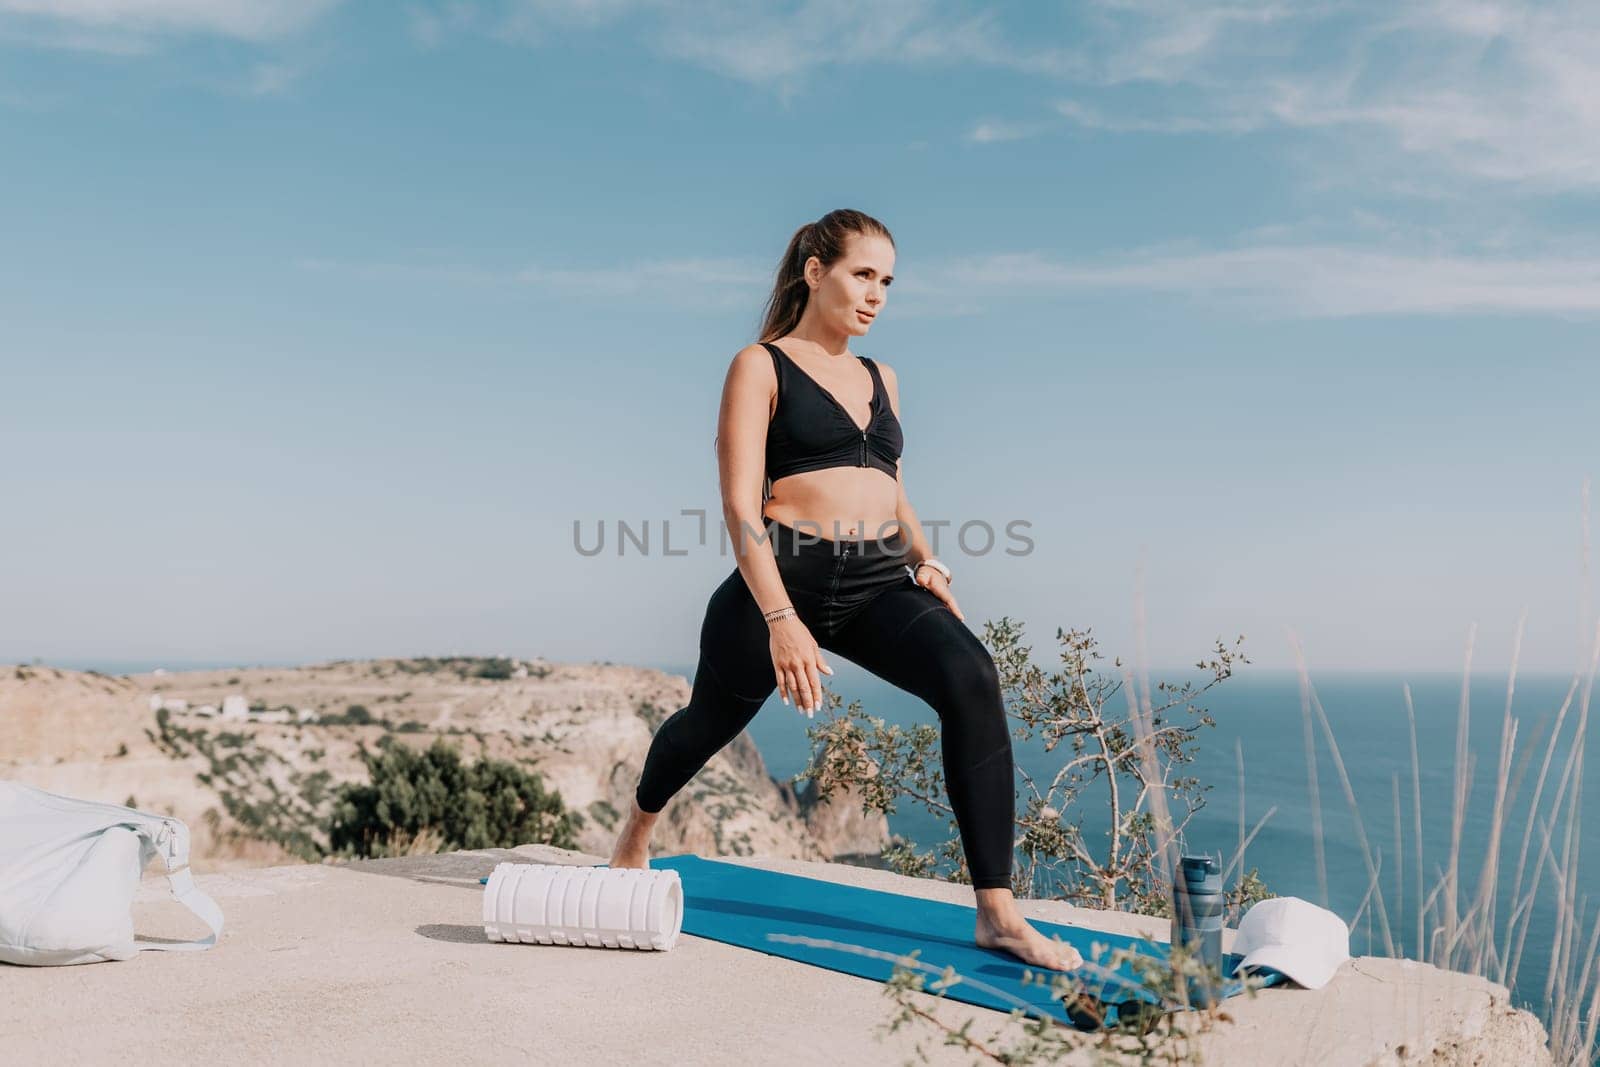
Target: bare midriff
[[860, 500]]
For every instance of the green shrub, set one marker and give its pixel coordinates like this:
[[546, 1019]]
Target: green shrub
[[498, 670], [433, 795], [354, 715], [495, 668], [604, 813]]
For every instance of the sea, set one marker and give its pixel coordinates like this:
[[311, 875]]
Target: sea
[[1255, 766]]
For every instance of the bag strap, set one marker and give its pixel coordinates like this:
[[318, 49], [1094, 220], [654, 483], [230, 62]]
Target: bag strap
[[172, 842], [185, 892]]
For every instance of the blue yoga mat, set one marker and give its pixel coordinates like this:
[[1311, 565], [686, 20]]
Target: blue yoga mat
[[762, 910]]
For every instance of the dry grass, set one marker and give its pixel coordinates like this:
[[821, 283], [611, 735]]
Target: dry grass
[[1458, 925], [1456, 921]]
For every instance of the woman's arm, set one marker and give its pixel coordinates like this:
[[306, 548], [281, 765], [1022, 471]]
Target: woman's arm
[[918, 550], [742, 463], [741, 466], [903, 512]]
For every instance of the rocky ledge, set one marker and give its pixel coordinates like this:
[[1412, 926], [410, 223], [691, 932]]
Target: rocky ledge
[[387, 960]]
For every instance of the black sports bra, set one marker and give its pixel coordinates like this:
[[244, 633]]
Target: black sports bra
[[810, 430]]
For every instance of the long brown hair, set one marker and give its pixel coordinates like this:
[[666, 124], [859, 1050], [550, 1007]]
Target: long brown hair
[[825, 239]]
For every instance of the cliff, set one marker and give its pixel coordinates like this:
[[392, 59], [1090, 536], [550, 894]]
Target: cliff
[[247, 785]]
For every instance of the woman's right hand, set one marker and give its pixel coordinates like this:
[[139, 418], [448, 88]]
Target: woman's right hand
[[796, 659]]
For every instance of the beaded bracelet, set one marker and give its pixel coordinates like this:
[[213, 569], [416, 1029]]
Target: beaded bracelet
[[779, 613]]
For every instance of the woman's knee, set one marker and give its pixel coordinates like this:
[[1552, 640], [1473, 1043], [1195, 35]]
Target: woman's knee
[[686, 740], [714, 715], [966, 663], [966, 678], [982, 677]]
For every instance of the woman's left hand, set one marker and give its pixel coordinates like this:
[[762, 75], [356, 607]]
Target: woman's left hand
[[935, 583]]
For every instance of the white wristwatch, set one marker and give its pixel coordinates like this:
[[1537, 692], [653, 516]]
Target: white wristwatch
[[935, 564]]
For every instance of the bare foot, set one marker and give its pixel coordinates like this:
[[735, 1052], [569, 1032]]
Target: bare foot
[[628, 854], [1026, 943], [633, 843]]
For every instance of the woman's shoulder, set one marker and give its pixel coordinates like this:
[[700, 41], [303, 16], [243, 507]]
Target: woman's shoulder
[[762, 349], [753, 364], [889, 377], [753, 353]]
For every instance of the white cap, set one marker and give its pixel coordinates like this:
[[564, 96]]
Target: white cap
[[1294, 937]]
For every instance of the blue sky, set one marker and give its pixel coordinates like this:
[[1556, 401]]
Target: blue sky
[[322, 323]]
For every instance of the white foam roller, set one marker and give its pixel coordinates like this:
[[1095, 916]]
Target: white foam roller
[[554, 904]]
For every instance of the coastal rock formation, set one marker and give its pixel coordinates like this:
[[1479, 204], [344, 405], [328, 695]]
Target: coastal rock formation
[[242, 783], [841, 820]]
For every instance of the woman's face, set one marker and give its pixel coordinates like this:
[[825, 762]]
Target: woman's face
[[849, 294]]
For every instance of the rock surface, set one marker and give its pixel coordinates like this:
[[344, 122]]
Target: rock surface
[[387, 961]]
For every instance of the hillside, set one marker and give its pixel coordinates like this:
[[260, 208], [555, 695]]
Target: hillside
[[254, 786]]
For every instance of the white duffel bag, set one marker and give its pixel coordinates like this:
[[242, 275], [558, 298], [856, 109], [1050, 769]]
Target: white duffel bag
[[68, 872]]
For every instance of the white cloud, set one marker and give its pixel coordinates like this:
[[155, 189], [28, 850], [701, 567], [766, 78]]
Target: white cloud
[[768, 45], [1082, 114], [430, 25], [271, 79], [1268, 279], [585, 13], [702, 283], [1314, 280], [646, 277], [29, 102], [701, 279], [1501, 90], [127, 25], [377, 271], [996, 132]]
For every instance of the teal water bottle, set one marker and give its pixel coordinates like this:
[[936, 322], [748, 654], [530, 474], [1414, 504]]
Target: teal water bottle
[[1197, 905]]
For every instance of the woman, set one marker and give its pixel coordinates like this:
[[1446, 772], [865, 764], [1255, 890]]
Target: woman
[[848, 569]]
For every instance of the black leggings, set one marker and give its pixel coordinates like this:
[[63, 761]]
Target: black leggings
[[859, 600]]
